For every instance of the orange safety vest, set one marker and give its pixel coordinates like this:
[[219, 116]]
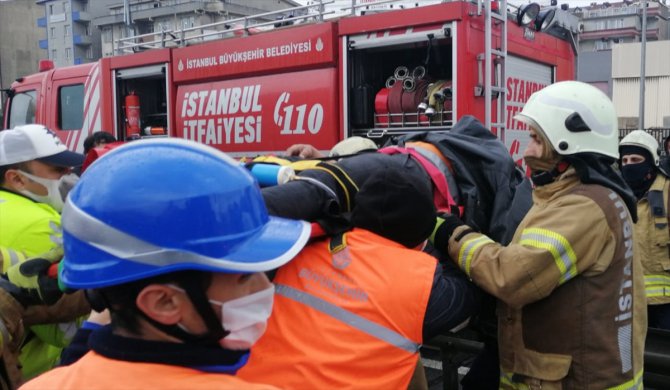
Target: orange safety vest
[[94, 371], [348, 315]]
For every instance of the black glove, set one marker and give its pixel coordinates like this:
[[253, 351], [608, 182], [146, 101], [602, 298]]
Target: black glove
[[25, 296], [445, 225], [33, 284]]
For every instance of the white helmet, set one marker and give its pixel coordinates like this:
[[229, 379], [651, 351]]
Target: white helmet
[[352, 145], [575, 117], [642, 139]]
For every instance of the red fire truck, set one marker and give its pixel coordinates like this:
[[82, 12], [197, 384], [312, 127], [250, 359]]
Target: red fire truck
[[388, 72]]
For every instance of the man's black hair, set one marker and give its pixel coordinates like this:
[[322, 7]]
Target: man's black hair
[[96, 139], [120, 299]]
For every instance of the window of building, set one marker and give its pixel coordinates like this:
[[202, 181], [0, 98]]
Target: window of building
[[603, 45], [615, 23], [107, 34], [89, 52], [52, 33], [51, 9], [188, 22], [87, 27], [68, 53], [163, 25], [53, 54], [68, 30], [71, 107], [66, 7], [22, 108]]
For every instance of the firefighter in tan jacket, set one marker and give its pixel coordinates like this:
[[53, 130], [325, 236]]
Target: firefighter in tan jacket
[[640, 169], [29, 297], [572, 311]]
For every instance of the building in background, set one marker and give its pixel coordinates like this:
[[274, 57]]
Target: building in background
[[626, 84], [80, 31], [162, 18], [343, 7], [19, 48], [604, 25], [71, 38]]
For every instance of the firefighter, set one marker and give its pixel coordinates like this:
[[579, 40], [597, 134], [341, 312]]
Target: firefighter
[[361, 293], [35, 175], [176, 251], [571, 309], [28, 296], [640, 168]]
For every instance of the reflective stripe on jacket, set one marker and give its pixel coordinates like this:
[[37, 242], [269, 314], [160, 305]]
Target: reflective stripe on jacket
[[652, 240], [350, 320], [572, 311], [10, 257], [94, 371]]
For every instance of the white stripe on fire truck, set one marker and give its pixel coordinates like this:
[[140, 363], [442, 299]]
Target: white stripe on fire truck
[[74, 137], [91, 106]]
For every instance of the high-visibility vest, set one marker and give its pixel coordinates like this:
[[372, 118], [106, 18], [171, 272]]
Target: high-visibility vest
[[28, 227], [351, 317], [94, 371]]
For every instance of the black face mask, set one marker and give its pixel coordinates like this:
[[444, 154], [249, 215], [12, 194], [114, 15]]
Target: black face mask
[[639, 177]]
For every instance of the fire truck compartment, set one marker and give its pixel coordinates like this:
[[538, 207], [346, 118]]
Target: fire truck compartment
[[148, 84], [401, 88]]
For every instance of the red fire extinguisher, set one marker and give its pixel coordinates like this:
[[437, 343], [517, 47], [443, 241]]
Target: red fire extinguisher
[[132, 114]]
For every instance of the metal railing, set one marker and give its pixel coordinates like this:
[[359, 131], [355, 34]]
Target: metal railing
[[314, 12], [244, 25], [460, 348]]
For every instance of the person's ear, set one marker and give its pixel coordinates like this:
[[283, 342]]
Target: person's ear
[[14, 179], [161, 303]]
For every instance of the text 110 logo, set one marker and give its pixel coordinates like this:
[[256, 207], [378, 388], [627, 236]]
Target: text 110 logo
[[295, 119]]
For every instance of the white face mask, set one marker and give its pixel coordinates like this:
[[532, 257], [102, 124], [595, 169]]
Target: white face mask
[[57, 189], [246, 318]]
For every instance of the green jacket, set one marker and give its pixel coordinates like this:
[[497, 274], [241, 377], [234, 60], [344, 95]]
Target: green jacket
[[27, 226], [29, 229]]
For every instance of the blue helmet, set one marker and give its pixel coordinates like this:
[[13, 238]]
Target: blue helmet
[[158, 206]]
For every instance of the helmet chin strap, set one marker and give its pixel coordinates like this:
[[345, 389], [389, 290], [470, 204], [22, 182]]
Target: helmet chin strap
[[198, 297], [541, 178]]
